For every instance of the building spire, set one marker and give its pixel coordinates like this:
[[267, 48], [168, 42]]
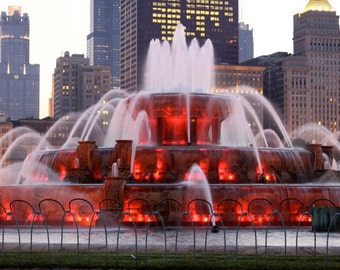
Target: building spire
[[318, 5]]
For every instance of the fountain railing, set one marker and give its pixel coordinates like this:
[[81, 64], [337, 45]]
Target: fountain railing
[[120, 237]]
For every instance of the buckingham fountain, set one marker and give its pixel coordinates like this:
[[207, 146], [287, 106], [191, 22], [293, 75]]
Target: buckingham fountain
[[175, 147]]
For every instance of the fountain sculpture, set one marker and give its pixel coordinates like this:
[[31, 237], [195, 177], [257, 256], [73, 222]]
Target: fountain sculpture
[[159, 134]]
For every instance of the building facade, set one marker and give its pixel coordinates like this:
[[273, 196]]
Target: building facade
[[19, 80], [95, 82], [142, 21], [103, 42], [231, 78]]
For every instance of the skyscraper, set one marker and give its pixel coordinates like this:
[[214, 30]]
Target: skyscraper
[[246, 42], [315, 93], [103, 42], [142, 21], [19, 80], [305, 86]]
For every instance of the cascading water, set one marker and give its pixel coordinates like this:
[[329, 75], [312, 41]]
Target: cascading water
[[174, 74], [143, 134]]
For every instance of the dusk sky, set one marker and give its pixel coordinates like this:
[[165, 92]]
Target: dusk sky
[[62, 25]]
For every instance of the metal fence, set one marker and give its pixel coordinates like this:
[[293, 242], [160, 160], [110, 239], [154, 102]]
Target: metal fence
[[168, 235]]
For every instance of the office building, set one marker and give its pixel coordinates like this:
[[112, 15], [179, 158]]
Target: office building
[[78, 86], [19, 80], [142, 21], [103, 42]]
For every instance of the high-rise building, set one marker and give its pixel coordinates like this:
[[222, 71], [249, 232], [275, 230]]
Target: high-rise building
[[66, 83], [246, 42], [305, 86], [317, 39], [19, 80], [142, 21], [77, 86], [103, 42]]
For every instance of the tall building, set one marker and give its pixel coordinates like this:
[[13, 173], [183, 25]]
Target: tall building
[[103, 42], [246, 42], [19, 80], [142, 21], [305, 86], [66, 87], [317, 40], [77, 86]]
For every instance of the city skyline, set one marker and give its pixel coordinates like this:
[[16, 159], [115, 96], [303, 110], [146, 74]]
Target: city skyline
[[73, 26]]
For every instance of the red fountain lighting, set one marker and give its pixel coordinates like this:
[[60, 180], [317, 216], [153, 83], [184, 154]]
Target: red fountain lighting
[[193, 176], [44, 178], [199, 218], [62, 172], [172, 151], [160, 168], [176, 128], [84, 220], [204, 165], [224, 174], [137, 171], [266, 176], [270, 178]]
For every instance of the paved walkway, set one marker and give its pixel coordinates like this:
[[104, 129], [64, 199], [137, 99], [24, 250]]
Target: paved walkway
[[244, 240]]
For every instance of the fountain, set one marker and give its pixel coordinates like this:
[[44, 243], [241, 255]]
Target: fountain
[[154, 138]]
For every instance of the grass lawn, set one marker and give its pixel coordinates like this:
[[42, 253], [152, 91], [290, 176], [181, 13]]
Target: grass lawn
[[101, 260]]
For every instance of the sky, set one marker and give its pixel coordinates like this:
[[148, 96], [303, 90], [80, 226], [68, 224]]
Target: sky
[[57, 26]]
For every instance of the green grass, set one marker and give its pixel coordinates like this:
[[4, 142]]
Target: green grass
[[99, 260]]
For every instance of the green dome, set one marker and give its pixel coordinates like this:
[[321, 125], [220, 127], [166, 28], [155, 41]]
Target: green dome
[[318, 5]]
